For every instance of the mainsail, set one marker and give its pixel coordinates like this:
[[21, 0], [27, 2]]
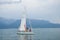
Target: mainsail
[[23, 23]]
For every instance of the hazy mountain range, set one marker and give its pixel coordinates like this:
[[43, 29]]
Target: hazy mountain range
[[11, 23]]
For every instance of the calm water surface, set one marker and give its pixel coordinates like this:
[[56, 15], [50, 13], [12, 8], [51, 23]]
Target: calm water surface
[[40, 34]]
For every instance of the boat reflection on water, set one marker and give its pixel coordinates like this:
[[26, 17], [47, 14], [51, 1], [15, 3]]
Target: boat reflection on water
[[24, 37]]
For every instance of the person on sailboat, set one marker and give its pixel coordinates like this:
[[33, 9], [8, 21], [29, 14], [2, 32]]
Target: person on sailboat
[[27, 29], [30, 30]]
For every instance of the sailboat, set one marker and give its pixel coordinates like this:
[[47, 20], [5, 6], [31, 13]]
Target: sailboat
[[23, 29]]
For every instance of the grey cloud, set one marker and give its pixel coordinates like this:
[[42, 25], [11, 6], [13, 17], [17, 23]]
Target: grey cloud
[[46, 9]]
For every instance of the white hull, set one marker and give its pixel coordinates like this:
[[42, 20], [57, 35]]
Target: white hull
[[25, 33]]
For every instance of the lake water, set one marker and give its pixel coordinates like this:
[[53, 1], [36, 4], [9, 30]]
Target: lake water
[[40, 34]]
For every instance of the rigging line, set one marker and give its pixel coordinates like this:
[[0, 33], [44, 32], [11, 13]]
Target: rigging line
[[30, 24], [27, 16]]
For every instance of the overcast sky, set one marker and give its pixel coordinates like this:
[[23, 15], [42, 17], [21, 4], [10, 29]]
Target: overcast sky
[[36, 9]]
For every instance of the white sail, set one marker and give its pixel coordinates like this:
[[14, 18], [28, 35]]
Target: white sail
[[23, 24]]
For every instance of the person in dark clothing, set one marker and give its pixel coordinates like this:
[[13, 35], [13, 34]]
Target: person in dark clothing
[[30, 30], [27, 28]]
